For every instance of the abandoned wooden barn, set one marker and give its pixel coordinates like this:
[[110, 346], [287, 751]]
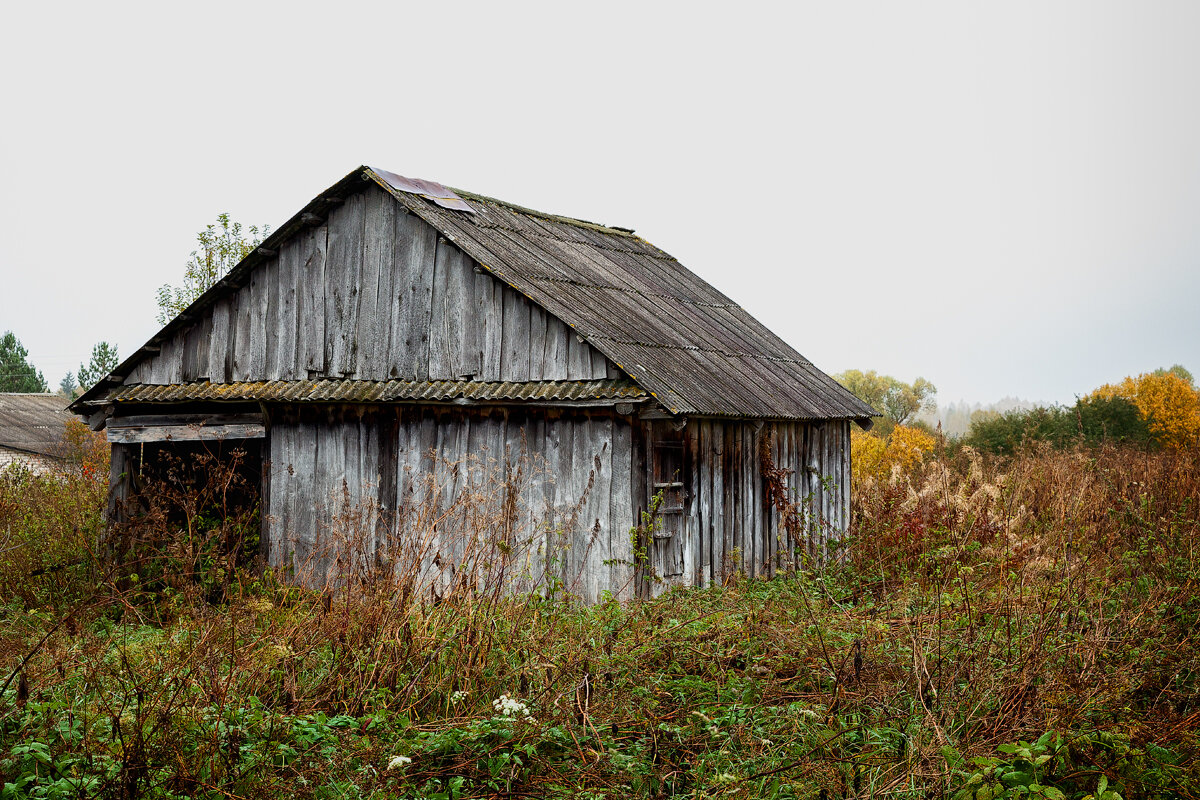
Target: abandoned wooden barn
[[395, 333]]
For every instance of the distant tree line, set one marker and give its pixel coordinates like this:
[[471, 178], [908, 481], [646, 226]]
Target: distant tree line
[[1155, 409], [17, 374]]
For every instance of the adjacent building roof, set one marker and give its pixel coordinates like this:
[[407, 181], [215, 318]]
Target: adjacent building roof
[[33, 423], [677, 337]]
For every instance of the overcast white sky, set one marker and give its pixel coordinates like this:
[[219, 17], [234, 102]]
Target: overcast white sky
[[1002, 198]]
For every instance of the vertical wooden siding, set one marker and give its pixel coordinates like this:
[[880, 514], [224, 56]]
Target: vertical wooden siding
[[731, 523], [373, 294], [369, 476]]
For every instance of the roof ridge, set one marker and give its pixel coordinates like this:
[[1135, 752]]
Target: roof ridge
[[520, 209]]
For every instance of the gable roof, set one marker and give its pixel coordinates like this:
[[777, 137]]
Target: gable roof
[[32, 422], [677, 337]]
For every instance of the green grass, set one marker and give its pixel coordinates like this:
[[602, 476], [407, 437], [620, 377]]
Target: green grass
[[1037, 640]]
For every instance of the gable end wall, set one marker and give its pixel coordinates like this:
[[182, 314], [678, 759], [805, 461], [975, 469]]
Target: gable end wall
[[373, 294]]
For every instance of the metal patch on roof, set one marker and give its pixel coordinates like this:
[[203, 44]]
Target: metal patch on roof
[[430, 190]]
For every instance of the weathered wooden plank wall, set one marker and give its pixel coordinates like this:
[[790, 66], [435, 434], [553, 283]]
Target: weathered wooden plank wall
[[731, 524], [373, 294], [427, 492]]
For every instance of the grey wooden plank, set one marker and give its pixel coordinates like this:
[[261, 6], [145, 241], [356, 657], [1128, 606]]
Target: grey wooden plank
[[240, 368], [360, 522], [556, 489], [803, 495], [641, 501], [189, 338], [415, 251], [621, 511], [733, 490], [749, 504], [379, 250], [732, 542], [311, 313], [294, 357], [759, 505], [455, 349], [121, 466], [185, 433], [174, 364], [274, 516], [135, 374], [575, 526], [579, 358], [554, 350], [231, 350], [256, 356], [443, 333], [537, 342], [283, 366], [153, 368], [474, 441], [812, 465], [343, 276], [827, 489], [195, 354], [451, 547], [712, 530], [822, 473], [405, 468], [489, 297], [694, 556], [534, 517], [316, 563], [218, 342], [787, 459], [302, 533], [374, 300], [386, 424], [283, 490], [516, 561], [340, 486], [845, 473], [599, 518], [514, 357], [269, 500], [433, 559], [820, 495], [599, 365], [272, 368], [362, 456], [159, 368], [770, 439]]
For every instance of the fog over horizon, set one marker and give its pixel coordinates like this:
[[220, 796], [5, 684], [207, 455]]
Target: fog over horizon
[[999, 198]]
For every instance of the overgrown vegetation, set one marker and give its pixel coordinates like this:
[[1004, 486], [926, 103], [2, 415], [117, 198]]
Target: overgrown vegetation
[[1160, 409], [991, 629]]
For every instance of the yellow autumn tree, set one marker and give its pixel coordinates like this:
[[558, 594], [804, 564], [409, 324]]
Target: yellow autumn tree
[[874, 457], [1169, 404]]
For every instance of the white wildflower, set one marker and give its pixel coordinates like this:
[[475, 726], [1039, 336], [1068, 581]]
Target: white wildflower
[[399, 762], [511, 707], [458, 696]]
